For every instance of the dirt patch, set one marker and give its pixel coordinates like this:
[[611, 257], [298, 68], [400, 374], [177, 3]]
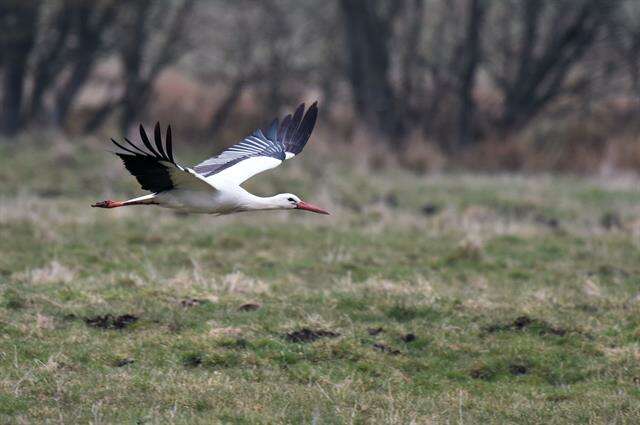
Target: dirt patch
[[174, 326], [611, 221], [123, 362], [249, 307], [608, 270], [308, 335], [192, 360], [483, 373], [108, 321], [391, 200], [527, 323], [551, 222], [487, 373], [375, 331], [408, 337], [386, 349], [429, 209], [518, 369], [190, 302]]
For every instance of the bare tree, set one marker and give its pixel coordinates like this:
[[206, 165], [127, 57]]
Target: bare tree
[[405, 64], [471, 59], [291, 50], [139, 74], [412, 24], [50, 54], [91, 20], [18, 20], [624, 36], [552, 38], [439, 63], [368, 28]]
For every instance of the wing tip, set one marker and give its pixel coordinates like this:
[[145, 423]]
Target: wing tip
[[161, 150], [301, 127]]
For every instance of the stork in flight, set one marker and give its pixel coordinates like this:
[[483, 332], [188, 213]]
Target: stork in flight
[[213, 186]]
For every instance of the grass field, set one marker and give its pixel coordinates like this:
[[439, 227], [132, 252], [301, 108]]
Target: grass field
[[442, 299]]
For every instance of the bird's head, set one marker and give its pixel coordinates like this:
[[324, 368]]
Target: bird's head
[[288, 201]]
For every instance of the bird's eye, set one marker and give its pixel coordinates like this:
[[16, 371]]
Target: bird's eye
[[291, 200]]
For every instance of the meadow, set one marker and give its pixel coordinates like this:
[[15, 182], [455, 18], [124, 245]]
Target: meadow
[[447, 298]]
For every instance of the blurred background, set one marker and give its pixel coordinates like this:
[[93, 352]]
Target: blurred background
[[480, 162], [430, 85]]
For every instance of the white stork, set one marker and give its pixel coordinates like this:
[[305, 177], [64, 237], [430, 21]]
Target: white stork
[[213, 186]]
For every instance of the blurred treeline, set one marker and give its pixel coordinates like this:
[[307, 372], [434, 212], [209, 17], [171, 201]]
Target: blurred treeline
[[507, 83]]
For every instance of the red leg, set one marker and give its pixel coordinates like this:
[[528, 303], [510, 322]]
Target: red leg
[[108, 204], [115, 204]]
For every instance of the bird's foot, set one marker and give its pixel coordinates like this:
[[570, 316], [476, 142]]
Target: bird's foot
[[108, 204]]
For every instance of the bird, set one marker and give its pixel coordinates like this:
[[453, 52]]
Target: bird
[[214, 186]]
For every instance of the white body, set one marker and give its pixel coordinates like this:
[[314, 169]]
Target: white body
[[224, 198]]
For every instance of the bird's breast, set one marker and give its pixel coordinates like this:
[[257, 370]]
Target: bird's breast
[[198, 202]]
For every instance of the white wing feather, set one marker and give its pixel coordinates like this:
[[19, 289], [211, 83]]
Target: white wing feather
[[261, 151], [244, 170]]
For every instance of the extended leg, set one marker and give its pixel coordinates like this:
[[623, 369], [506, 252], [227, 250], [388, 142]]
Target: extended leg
[[108, 204], [143, 200]]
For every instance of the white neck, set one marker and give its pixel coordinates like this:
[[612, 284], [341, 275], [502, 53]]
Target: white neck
[[253, 202]]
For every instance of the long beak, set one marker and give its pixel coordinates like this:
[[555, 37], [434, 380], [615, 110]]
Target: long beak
[[308, 207]]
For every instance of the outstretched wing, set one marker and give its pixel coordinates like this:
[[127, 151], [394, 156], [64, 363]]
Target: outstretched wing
[[262, 151], [155, 168]]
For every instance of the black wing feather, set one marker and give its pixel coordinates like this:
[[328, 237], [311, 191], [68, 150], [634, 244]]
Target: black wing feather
[[299, 130], [151, 174], [295, 122], [123, 148], [272, 131], [136, 147], [169, 144], [145, 140], [284, 125], [158, 138], [152, 168], [297, 115]]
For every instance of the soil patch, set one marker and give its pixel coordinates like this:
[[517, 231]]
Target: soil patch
[[518, 369], [123, 362], [249, 307], [309, 335], [386, 349], [190, 302], [109, 321], [408, 337], [527, 323]]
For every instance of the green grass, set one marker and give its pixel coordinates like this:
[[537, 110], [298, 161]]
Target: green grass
[[521, 295]]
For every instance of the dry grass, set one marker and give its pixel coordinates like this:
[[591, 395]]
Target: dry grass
[[520, 294]]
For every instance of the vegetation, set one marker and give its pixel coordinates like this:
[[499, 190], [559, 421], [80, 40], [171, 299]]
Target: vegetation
[[445, 299], [424, 298], [451, 76]]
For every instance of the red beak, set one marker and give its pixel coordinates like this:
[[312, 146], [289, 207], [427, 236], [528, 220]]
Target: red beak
[[308, 207]]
